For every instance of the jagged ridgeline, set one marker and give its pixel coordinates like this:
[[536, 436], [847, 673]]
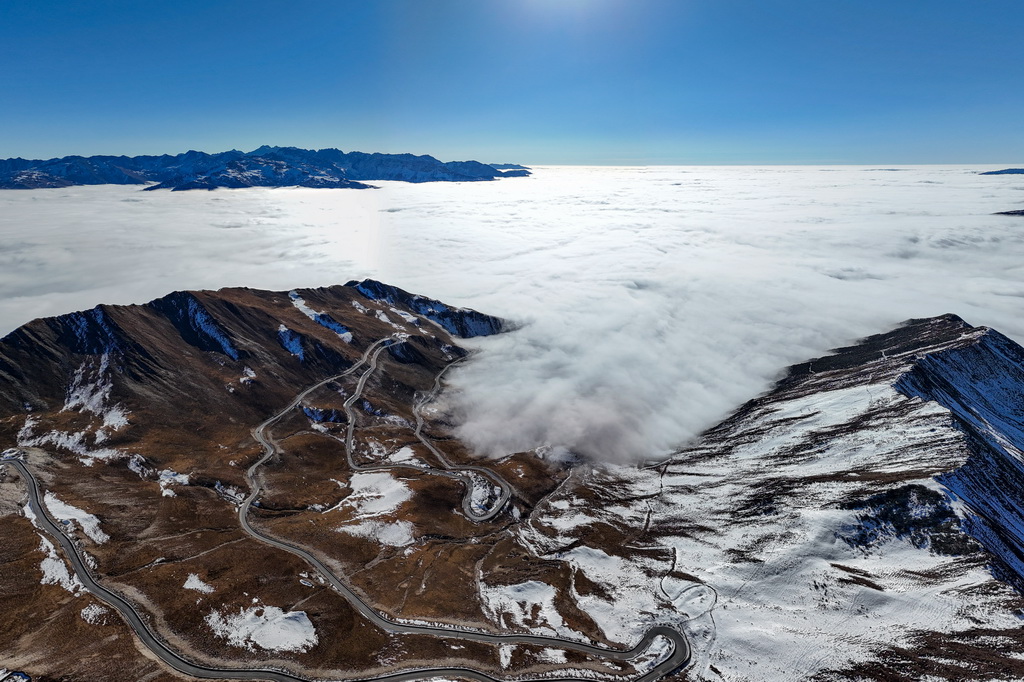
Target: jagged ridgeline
[[263, 167], [977, 375], [237, 352]]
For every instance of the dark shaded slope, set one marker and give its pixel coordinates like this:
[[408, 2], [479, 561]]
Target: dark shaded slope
[[263, 167], [982, 385]]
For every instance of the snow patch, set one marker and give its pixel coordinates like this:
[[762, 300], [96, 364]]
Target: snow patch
[[72, 442], [230, 493], [137, 464], [505, 655], [405, 455], [390, 533], [483, 493], [195, 583], [65, 512], [89, 391], [529, 606], [291, 342], [375, 493], [167, 478], [411, 319], [551, 656], [93, 614], [265, 627], [55, 571], [322, 319], [383, 317]]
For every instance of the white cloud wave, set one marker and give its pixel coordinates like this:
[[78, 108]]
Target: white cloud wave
[[655, 299]]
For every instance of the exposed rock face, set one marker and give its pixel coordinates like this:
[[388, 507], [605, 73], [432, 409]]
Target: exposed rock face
[[982, 385], [458, 321], [263, 167], [1005, 171]]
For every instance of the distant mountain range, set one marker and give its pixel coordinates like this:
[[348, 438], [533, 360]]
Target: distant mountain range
[[263, 167]]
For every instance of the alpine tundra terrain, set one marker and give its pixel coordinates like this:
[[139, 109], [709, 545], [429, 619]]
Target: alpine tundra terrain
[[255, 485]]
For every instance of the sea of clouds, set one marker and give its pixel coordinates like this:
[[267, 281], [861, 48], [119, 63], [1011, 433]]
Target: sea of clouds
[[652, 300]]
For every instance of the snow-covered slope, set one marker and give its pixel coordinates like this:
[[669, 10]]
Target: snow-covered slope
[[864, 516]]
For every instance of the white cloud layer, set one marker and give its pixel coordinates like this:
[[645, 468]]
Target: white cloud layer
[[656, 299]]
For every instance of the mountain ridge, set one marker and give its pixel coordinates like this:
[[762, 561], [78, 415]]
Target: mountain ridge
[[266, 166], [861, 517]]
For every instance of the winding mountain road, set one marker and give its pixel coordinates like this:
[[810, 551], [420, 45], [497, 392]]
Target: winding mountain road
[[679, 657], [474, 511], [471, 510], [125, 608]]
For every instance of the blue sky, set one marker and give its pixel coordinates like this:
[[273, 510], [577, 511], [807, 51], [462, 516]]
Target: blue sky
[[534, 81]]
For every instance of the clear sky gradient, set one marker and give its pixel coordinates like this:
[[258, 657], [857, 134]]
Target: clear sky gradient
[[533, 81]]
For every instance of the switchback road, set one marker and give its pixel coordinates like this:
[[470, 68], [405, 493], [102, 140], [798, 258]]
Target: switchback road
[[679, 657]]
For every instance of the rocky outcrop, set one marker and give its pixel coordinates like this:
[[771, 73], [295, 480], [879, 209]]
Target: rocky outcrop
[[1005, 171], [982, 386], [458, 321]]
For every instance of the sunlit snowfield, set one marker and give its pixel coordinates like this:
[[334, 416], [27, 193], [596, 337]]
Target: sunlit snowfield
[[654, 299]]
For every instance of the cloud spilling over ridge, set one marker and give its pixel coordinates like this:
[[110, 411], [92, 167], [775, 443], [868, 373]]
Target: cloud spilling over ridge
[[657, 300], [654, 301]]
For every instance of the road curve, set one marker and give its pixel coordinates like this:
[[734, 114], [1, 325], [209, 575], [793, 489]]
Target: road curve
[[679, 657], [467, 501], [126, 609], [681, 649], [452, 471]]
